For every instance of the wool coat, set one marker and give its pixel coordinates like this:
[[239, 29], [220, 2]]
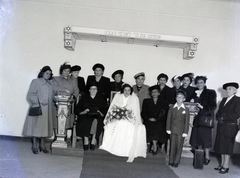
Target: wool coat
[[40, 91], [142, 94], [227, 116]]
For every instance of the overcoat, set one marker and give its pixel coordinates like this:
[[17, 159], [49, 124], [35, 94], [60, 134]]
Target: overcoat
[[61, 84], [227, 116], [84, 122], [40, 126], [103, 85], [155, 130], [142, 94], [190, 91], [114, 86], [202, 136], [165, 94]]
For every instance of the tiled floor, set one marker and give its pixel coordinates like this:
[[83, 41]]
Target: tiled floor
[[17, 160]]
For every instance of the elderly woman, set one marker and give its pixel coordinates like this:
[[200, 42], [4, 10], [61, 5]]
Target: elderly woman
[[206, 103], [117, 77], [154, 114], [186, 86], [90, 107], [124, 133], [66, 85], [103, 83], [227, 115], [40, 94]]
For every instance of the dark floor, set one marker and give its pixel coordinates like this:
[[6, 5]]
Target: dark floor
[[17, 160]]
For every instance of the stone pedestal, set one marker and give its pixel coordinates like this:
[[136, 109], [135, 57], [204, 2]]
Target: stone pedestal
[[59, 146], [186, 146]]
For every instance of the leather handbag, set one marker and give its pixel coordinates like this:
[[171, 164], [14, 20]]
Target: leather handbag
[[205, 121], [35, 111]]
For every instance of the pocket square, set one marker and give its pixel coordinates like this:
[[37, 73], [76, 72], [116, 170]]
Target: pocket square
[[184, 112]]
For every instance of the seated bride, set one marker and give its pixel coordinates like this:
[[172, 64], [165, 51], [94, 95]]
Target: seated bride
[[124, 133]]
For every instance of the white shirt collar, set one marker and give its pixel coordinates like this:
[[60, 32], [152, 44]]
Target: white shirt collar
[[182, 106]]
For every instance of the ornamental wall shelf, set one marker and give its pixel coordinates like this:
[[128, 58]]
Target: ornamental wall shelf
[[187, 43]]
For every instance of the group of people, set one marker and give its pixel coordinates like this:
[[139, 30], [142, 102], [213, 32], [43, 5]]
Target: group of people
[[138, 117]]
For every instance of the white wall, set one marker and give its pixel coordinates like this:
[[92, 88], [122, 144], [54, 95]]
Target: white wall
[[34, 38]]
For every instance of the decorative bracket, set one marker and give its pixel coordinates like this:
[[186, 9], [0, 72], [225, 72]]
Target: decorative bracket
[[188, 44]]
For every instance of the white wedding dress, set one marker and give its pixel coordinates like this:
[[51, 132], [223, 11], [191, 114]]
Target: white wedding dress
[[125, 137]]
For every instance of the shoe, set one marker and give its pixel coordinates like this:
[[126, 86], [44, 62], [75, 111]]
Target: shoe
[[170, 164], [150, 147], [224, 170], [68, 141], [206, 161], [34, 150], [218, 168], [85, 147], [44, 150], [175, 164], [154, 153], [92, 147]]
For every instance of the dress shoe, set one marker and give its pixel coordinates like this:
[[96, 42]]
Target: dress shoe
[[92, 147], [206, 161], [170, 164], [150, 147], [224, 170], [85, 147], [154, 153], [175, 164], [34, 150], [44, 150], [218, 168]]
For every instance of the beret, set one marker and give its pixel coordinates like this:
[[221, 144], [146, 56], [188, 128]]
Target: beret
[[162, 75], [117, 72], [230, 84], [75, 68], [98, 66], [175, 77], [139, 74], [154, 87]]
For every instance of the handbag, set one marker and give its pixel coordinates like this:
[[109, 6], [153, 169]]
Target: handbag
[[35, 111], [237, 138], [205, 121]]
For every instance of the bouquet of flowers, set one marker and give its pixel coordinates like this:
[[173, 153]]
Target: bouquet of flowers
[[118, 113]]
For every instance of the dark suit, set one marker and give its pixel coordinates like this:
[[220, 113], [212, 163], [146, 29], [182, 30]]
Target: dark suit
[[165, 94], [190, 91], [103, 85], [115, 86], [202, 136], [155, 130], [81, 85], [227, 116], [177, 123]]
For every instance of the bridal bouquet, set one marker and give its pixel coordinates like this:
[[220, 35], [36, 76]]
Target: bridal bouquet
[[119, 113]]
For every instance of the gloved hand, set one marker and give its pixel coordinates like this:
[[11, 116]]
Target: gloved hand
[[168, 131], [184, 135]]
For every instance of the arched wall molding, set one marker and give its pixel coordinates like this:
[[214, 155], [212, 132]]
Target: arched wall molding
[[188, 44]]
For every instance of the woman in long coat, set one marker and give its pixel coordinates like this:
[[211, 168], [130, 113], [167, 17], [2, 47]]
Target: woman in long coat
[[90, 107], [40, 92], [206, 103], [227, 115], [154, 114]]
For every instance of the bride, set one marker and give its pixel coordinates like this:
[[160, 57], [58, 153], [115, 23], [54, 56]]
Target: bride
[[124, 133]]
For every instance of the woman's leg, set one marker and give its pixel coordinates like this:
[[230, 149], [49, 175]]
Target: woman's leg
[[86, 140], [222, 160], [206, 150], [34, 142], [93, 142], [226, 161]]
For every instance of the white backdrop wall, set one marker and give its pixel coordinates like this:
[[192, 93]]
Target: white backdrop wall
[[34, 38]]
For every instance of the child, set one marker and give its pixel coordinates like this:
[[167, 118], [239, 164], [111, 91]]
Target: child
[[177, 127]]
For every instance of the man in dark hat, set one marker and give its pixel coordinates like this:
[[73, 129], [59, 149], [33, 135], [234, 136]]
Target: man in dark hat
[[80, 80], [117, 77], [140, 89], [103, 83]]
